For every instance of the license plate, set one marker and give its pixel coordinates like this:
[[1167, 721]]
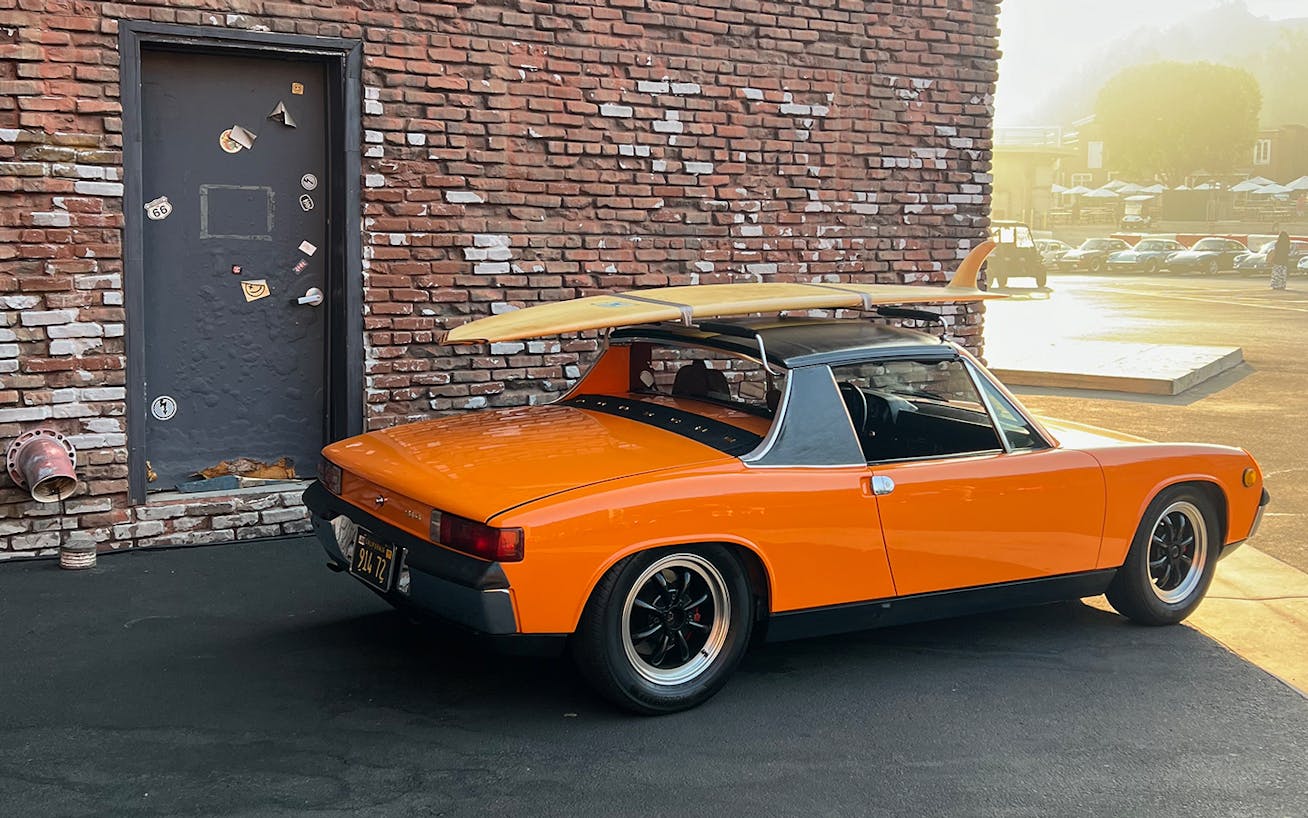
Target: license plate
[[374, 561]]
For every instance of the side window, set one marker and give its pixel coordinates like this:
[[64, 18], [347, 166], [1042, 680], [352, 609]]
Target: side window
[[1017, 431], [910, 409]]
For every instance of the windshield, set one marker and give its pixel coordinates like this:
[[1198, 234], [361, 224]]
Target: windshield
[[1210, 244], [1154, 245], [1103, 244]]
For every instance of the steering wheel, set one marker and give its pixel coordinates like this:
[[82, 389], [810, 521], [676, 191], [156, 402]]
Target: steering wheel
[[856, 403]]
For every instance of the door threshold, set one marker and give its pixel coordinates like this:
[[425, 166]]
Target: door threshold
[[281, 486]]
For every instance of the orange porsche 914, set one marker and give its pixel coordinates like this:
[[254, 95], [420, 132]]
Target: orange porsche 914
[[712, 481]]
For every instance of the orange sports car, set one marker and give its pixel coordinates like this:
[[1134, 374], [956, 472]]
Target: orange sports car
[[713, 481]]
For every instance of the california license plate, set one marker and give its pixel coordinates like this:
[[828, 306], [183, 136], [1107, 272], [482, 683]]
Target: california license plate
[[374, 561]]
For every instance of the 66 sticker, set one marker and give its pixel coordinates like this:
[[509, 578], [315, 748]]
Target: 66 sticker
[[158, 209]]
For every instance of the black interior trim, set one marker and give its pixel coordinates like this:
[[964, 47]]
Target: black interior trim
[[724, 437], [882, 613]]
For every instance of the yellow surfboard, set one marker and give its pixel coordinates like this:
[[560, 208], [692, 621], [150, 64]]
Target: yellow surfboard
[[712, 301]]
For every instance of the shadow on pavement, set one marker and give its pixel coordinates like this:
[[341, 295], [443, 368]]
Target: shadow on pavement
[[248, 680]]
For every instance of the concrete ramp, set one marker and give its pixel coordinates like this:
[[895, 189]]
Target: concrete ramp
[[1147, 369]]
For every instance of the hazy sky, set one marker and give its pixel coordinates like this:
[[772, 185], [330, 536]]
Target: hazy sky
[[1044, 41]]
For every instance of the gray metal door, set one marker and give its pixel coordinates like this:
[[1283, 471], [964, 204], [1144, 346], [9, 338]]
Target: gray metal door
[[234, 164]]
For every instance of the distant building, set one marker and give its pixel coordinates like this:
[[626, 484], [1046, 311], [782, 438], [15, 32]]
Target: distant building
[[1025, 166], [1280, 154]]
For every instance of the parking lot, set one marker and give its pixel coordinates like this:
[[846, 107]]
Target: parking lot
[[249, 680]]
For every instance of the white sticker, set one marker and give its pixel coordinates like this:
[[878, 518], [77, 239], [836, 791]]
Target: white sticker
[[163, 407], [306, 202], [158, 209], [307, 248], [308, 181]]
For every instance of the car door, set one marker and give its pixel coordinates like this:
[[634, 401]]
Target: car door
[[997, 503]]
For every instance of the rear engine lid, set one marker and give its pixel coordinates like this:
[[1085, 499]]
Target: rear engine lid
[[481, 463]]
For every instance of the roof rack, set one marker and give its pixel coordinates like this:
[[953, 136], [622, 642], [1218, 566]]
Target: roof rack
[[726, 328], [915, 315]]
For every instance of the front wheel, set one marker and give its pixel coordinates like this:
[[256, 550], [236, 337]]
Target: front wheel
[[1212, 266], [1096, 265], [1151, 267], [1171, 561], [664, 629]]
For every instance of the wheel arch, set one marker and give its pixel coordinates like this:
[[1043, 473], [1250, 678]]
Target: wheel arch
[[1210, 488], [757, 571]]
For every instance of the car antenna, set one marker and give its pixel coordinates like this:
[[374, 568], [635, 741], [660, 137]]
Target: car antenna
[[915, 315]]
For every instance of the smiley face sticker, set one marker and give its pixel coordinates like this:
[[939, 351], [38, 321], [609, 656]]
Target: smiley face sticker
[[255, 289]]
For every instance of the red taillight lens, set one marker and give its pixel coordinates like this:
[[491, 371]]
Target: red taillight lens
[[478, 539], [329, 474]]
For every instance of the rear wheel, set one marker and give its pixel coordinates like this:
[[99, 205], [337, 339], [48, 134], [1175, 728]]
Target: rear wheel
[[665, 629], [1151, 266], [1211, 266], [1096, 265], [1171, 561]]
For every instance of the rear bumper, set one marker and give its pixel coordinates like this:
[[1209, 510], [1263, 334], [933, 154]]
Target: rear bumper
[[464, 591]]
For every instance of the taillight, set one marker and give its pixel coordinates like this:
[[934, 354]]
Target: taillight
[[329, 474], [478, 539]]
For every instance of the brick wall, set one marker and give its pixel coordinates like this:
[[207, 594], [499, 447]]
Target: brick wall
[[514, 152]]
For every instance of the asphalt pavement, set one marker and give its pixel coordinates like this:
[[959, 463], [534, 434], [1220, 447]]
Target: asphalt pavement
[[248, 680]]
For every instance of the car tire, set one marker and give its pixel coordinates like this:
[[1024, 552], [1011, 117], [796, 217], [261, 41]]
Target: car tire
[[1211, 266], [1096, 265], [1163, 579], [664, 629], [1151, 267]]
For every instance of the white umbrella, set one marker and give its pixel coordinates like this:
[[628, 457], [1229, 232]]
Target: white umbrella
[[1155, 188], [1079, 190], [1182, 187], [1204, 186], [1114, 185], [1101, 193], [1129, 189], [1060, 189], [1140, 197], [1298, 184], [1262, 181], [1273, 190], [1247, 186]]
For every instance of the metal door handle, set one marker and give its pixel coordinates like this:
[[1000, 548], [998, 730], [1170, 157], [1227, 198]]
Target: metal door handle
[[313, 297], [882, 485]]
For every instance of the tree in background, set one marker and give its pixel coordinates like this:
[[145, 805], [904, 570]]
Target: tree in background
[[1168, 119]]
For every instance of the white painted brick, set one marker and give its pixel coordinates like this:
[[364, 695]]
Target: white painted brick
[[54, 218], [507, 348], [87, 330], [796, 110], [113, 330], [373, 137], [761, 269], [699, 167], [7, 335], [374, 180], [104, 425], [103, 393], [668, 126], [475, 253], [88, 505], [28, 542], [499, 253], [501, 307], [134, 531], [372, 107], [19, 414], [8, 350], [98, 188], [19, 302], [659, 166], [112, 299], [45, 318], [236, 520], [89, 171], [490, 240], [97, 441], [283, 515], [71, 410], [491, 267], [647, 87], [752, 93], [684, 88], [111, 281], [74, 346], [477, 402], [613, 109], [463, 197], [165, 512], [416, 139]]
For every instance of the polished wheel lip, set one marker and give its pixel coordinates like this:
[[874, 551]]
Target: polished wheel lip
[[711, 577], [1178, 552]]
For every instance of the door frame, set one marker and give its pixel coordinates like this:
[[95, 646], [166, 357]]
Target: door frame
[[343, 334]]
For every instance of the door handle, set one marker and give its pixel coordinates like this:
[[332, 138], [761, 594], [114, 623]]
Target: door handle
[[312, 296], [882, 485]]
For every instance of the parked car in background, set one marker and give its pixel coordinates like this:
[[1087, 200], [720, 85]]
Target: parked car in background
[[1015, 255], [1302, 267], [1136, 221], [1146, 257], [1051, 250], [1210, 255], [1258, 259], [1092, 255]]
